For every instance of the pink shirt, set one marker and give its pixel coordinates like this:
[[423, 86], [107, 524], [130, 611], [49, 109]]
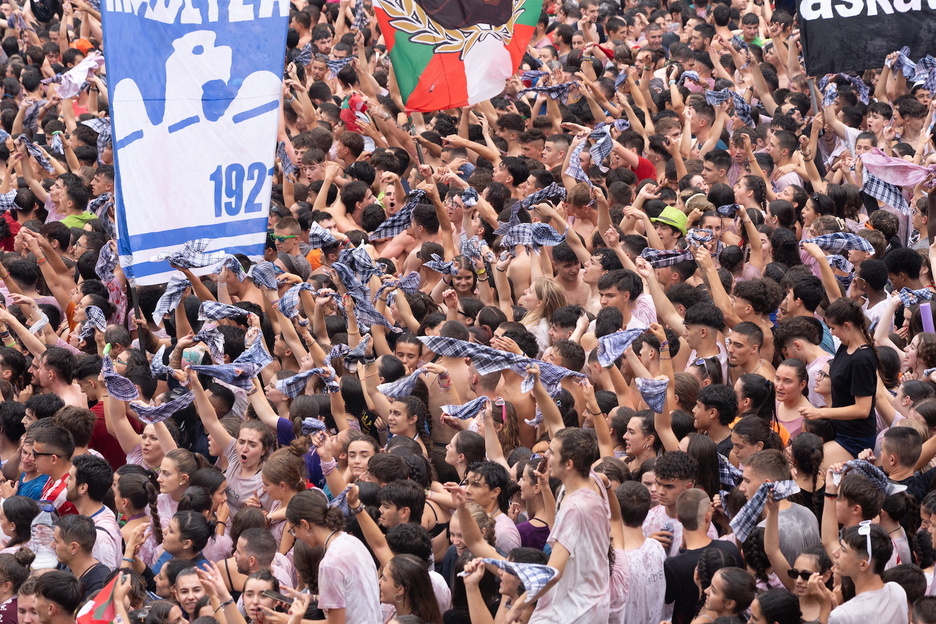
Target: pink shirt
[[348, 580]]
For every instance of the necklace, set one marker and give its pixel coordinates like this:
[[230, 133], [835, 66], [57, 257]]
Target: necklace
[[328, 539]]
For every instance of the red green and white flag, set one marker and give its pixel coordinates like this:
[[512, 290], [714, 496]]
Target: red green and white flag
[[454, 53], [100, 609]]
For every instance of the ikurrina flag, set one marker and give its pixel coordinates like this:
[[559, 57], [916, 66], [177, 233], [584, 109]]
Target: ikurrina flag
[[452, 53], [100, 609]]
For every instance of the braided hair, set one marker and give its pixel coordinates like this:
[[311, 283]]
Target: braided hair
[[752, 549]]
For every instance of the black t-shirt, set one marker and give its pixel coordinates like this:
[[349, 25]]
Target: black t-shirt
[[93, 579], [681, 589], [919, 483], [724, 447], [854, 375]]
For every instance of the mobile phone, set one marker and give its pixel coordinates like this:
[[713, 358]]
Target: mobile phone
[[278, 596]]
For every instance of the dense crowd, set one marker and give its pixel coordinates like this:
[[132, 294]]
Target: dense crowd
[[647, 337]]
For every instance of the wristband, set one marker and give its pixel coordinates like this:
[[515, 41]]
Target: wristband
[[358, 509], [328, 466], [827, 495], [128, 560]]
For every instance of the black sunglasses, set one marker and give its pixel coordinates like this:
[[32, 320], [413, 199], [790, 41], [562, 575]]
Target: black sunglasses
[[38, 454], [802, 574]]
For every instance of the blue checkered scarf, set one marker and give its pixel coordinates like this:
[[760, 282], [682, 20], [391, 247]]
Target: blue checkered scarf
[[152, 414], [534, 576], [739, 43], [728, 475], [289, 302], [621, 78], [240, 373], [551, 375], [215, 311], [402, 387], [840, 262], [439, 265], [360, 16], [320, 237], [336, 65], [470, 197], [467, 410], [485, 359], [106, 263], [358, 354], [365, 313], [697, 237], [532, 76], [36, 153], [653, 391], [213, 339], [575, 165], [502, 227], [533, 236], [471, 248], [311, 426], [872, 473], [192, 255], [158, 367], [337, 352], [741, 106], [555, 92], [232, 264], [857, 83], [101, 125], [837, 242], [612, 346], [398, 223], [56, 145], [601, 148], [264, 275], [409, 284], [359, 261], [305, 56], [341, 502], [924, 68], [552, 192], [295, 385], [117, 385], [829, 95], [891, 194], [95, 320], [17, 22], [289, 167], [688, 75], [903, 63], [729, 210], [748, 516], [912, 297], [659, 258]]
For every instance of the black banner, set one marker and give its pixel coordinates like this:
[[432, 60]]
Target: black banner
[[854, 35]]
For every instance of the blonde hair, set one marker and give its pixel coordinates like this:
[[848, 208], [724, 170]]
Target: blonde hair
[[552, 297]]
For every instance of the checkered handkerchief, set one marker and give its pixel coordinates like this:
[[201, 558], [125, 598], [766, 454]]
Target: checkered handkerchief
[[289, 302], [659, 258], [402, 387], [729, 210], [748, 516], [689, 75], [533, 236], [320, 237], [470, 197], [241, 372], [295, 385], [601, 148], [106, 263], [398, 223], [742, 108], [532, 76], [467, 410], [158, 368], [653, 391], [552, 192], [101, 125], [215, 311], [264, 275], [502, 227], [289, 167], [311, 426], [891, 194], [612, 346], [36, 153], [621, 78], [213, 339], [912, 297], [829, 94], [95, 320], [837, 242], [409, 284], [360, 18], [192, 255], [152, 414], [337, 352], [556, 92], [358, 354], [551, 375], [485, 359], [872, 473], [698, 236], [231, 263], [471, 248], [840, 262], [857, 83], [728, 475], [359, 261], [738, 43], [341, 502], [336, 65], [534, 576], [575, 165], [305, 56], [117, 386], [439, 265]]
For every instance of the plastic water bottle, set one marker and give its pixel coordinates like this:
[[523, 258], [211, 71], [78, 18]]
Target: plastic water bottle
[[41, 541]]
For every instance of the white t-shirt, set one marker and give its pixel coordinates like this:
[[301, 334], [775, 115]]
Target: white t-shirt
[[657, 521], [108, 545], [638, 586], [441, 590], [888, 604], [582, 593], [348, 580]]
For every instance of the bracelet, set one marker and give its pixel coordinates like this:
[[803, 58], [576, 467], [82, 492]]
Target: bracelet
[[105, 396], [221, 284], [353, 333], [128, 560], [665, 343], [289, 101], [665, 358], [500, 270], [358, 509], [482, 272], [39, 261], [827, 495], [226, 603], [3, 277]]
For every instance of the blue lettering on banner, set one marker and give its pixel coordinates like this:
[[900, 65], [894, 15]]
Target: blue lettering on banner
[[195, 89]]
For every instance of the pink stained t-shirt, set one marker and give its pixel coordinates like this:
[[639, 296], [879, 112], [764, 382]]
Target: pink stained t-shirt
[[348, 580]]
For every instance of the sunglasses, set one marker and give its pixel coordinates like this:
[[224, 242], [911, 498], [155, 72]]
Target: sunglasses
[[38, 454], [864, 528], [800, 574], [280, 239]]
